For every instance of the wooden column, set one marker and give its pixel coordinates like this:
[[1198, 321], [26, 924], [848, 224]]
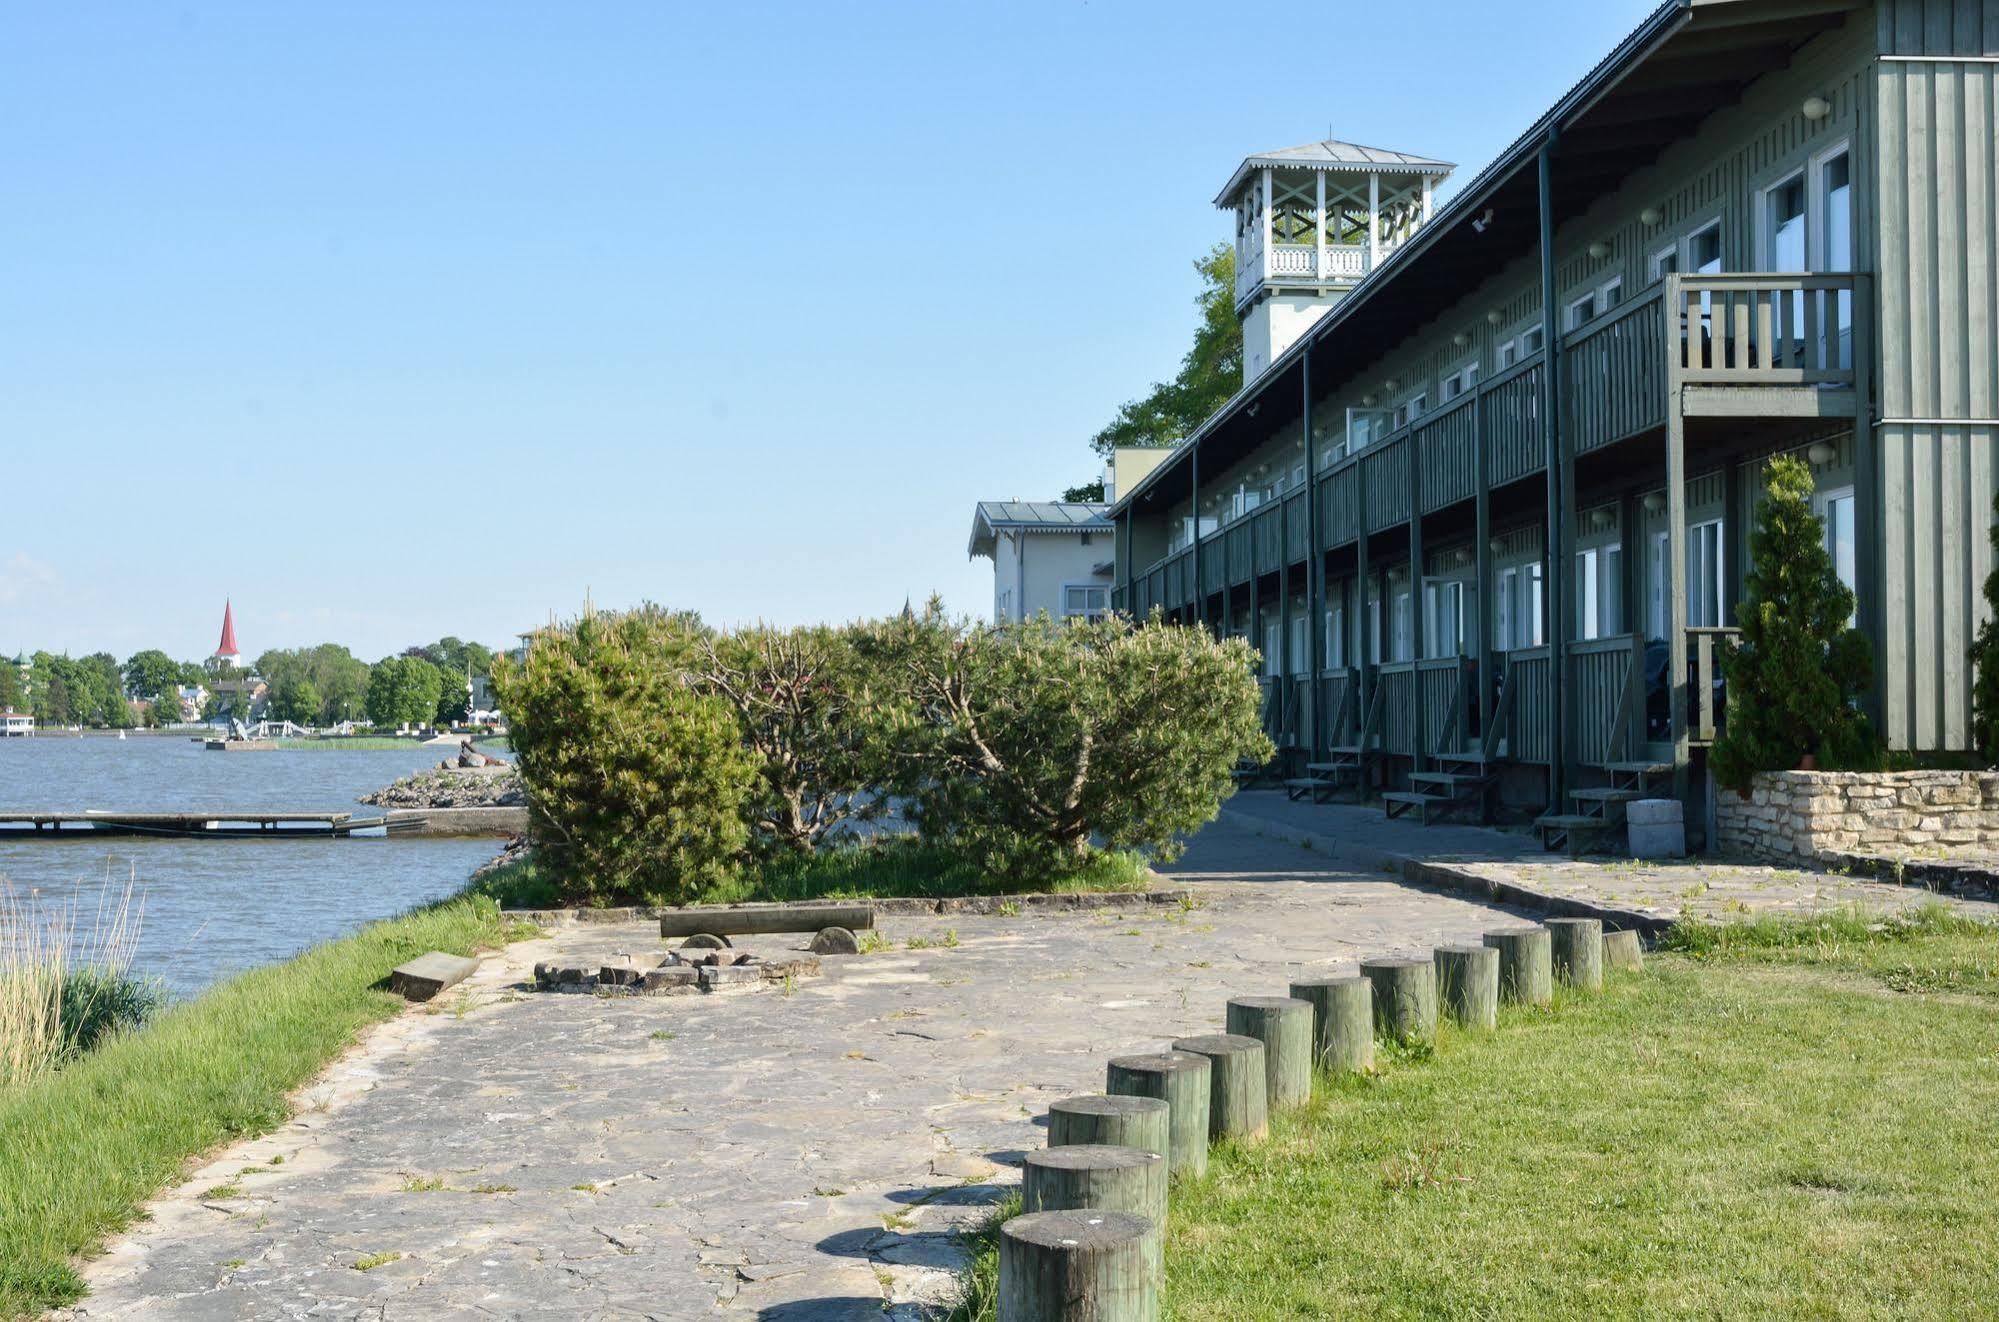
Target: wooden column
[[1373, 221], [1419, 759], [1319, 261], [1200, 602], [1078, 1267], [1363, 667], [1183, 1081], [1868, 480], [1342, 1021], [1315, 565], [1487, 702], [1554, 601], [1676, 537]]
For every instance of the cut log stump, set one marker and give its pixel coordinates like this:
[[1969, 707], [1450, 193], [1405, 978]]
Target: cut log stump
[[1098, 1177], [1077, 1267], [1180, 1079], [1468, 984], [1284, 1025], [1342, 1021], [1126, 1122], [427, 975], [1526, 967], [1578, 951], [1405, 998], [1623, 952], [764, 918], [1239, 1084], [706, 941]]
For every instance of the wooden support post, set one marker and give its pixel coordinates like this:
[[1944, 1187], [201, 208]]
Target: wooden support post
[[1128, 1122], [1676, 532], [1486, 703], [1098, 1177], [1555, 601], [1342, 1021], [1200, 602], [1578, 951], [1419, 753], [1284, 1025], [1180, 1079], [1405, 998], [1315, 571], [1623, 952], [1238, 1094], [1468, 983], [1077, 1267], [1526, 967]]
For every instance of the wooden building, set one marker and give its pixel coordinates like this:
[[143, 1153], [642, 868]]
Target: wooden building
[[1495, 491]]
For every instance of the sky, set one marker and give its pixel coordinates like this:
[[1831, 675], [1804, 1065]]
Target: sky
[[388, 321]]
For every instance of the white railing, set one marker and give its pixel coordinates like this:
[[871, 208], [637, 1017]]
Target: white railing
[[1301, 261]]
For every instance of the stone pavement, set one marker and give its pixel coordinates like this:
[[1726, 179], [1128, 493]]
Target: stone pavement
[[1513, 866], [771, 1155]]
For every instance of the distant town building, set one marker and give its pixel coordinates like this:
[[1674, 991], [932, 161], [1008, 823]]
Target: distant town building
[[1048, 555], [226, 656], [14, 724]]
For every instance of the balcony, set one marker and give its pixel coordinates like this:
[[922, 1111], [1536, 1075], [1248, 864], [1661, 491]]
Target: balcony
[[1337, 264]]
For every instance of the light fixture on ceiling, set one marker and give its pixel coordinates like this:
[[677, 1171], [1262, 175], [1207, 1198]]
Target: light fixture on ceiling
[[1655, 502], [1367, 401], [1650, 217], [1599, 250], [1816, 108], [1494, 317], [1821, 453], [1391, 385], [1480, 225], [1461, 339], [1497, 546], [1602, 518]]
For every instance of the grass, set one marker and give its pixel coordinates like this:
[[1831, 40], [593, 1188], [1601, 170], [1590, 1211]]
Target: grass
[[65, 983], [359, 743], [1780, 1119], [367, 1262], [83, 1147]]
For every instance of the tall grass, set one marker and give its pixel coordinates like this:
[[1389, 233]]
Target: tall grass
[[65, 975]]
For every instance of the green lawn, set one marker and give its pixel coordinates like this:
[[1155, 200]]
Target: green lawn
[[82, 1148], [1781, 1120]]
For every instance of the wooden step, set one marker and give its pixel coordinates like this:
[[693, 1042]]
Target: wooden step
[[1605, 794], [1573, 821], [1397, 802], [1351, 750], [1335, 768], [1472, 758], [1299, 786], [1639, 768], [1451, 779]]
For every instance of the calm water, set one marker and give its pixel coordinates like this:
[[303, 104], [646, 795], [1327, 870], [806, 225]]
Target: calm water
[[213, 908]]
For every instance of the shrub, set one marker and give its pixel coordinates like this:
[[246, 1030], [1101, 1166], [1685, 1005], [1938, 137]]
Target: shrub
[[636, 779], [1025, 741], [815, 714], [1985, 657], [1799, 667]]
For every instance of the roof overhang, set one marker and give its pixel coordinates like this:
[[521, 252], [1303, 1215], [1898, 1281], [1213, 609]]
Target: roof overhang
[[1687, 60]]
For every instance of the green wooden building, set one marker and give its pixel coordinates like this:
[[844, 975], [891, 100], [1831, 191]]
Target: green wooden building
[[1484, 503]]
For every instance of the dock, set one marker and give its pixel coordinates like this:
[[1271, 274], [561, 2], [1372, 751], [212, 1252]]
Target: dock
[[201, 824]]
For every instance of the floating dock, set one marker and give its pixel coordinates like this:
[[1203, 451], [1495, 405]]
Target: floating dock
[[204, 825]]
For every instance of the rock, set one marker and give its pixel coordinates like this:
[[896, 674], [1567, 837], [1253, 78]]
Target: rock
[[835, 941], [427, 975], [667, 977]]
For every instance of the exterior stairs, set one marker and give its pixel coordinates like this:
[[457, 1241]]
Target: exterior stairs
[[1598, 810]]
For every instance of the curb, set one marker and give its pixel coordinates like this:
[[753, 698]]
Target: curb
[[1425, 872], [895, 906]]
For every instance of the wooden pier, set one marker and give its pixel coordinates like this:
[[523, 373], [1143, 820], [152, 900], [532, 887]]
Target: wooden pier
[[204, 825]]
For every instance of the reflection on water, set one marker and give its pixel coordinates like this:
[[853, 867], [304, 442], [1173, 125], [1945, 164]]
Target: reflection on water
[[213, 908]]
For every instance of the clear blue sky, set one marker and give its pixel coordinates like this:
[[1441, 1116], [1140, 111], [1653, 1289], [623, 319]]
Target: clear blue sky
[[397, 320]]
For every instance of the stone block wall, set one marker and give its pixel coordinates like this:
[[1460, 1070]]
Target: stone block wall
[[1827, 815]]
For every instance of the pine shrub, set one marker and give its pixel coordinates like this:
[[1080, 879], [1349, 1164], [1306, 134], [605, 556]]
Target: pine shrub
[[1985, 659]]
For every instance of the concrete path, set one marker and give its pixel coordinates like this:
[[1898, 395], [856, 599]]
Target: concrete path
[[772, 1155]]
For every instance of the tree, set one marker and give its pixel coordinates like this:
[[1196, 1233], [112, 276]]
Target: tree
[[1985, 658], [1027, 740], [636, 778], [816, 716], [402, 690], [1090, 491], [1209, 374], [1799, 668], [13, 697], [151, 673], [295, 699]]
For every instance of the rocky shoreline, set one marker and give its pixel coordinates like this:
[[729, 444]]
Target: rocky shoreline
[[453, 787]]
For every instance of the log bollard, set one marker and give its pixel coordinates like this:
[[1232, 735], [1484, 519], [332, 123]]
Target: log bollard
[[1180, 1079], [1284, 1025], [1239, 1085], [1077, 1267], [1405, 998], [1622, 952], [1468, 984], [1100, 1178], [1526, 968], [1578, 951], [1129, 1122], [1342, 1021]]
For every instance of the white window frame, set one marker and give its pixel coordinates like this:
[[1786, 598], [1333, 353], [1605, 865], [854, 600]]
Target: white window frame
[[1720, 571], [1822, 503], [1712, 222], [1599, 593], [1507, 354], [1086, 614], [1656, 262], [1460, 380]]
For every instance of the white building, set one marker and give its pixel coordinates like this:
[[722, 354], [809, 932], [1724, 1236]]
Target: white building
[[1048, 555], [16, 723]]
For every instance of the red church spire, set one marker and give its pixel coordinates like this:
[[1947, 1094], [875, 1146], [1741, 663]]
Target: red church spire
[[227, 647]]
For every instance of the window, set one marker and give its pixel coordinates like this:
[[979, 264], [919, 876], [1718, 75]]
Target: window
[[1272, 641], [1596, 302], [1664, 262], [1083, 601], [1517, 607], [1532, 339], [1784, 226], [1460, 381], [1835, 191], [1373, 625], [1656, 579], [1411, 409], [1508, 354], [1836, 508], [1405, 637], [1336, 635], [1581, 310], [1301, 642], [1703, 255], [1443, 618], [1704, 575], [1599, 591]]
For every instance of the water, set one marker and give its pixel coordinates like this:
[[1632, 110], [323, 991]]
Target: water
[[212, 908]]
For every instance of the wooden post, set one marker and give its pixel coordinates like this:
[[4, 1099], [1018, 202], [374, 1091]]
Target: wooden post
[[1676, 529], [1077, 1267], [1284, 1025], [1578, 951], [1622, 952], [1405, 998], [1526, 969], [1130, 1122], [1555, 604], [1342, 1021], [1468, 983], [1239, 1087], [1182, 1081], [1101, 1178], [1315, 567]]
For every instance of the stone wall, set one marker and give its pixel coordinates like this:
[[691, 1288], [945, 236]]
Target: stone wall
[[1833, 815]]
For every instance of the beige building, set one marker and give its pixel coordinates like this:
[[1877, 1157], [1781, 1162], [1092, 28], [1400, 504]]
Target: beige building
[[1048, 555]]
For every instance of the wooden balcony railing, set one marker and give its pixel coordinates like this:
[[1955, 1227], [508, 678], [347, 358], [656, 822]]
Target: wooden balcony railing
[[1759, 329], [1607, 678], [1706, 699], [1614, 373]]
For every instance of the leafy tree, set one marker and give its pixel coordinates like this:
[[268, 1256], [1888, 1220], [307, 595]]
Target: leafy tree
[[13, 696], [636, 778], [1027, 740], [402, 690], [295, 699], [337, 676], [1089, 491], [1985, 658], [1209, 374], [150, 673], [816, 716], [1799, 668]]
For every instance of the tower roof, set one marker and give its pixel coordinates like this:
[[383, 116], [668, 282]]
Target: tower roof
[[1332, 154], [227, 647]]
